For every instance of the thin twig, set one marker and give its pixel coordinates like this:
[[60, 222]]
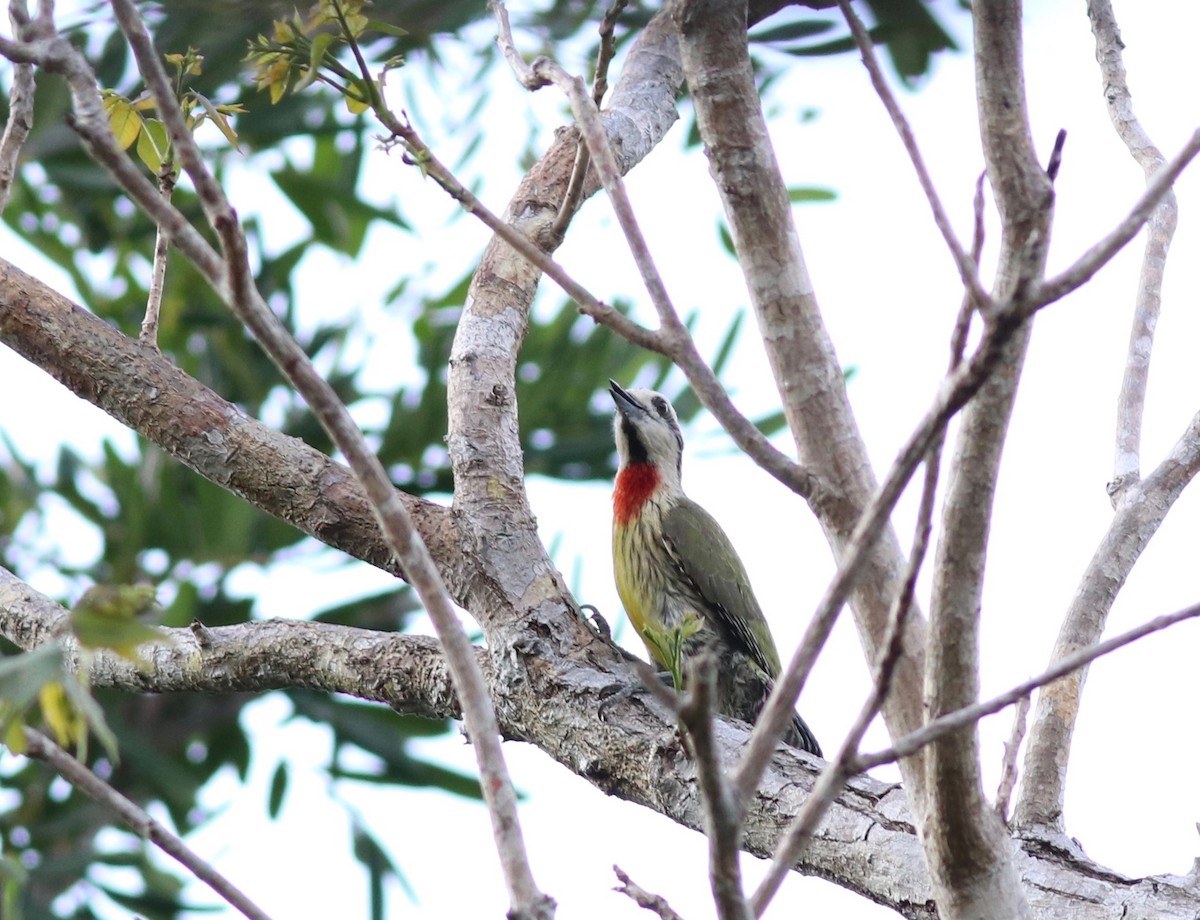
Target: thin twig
[[722, 816], [969, 715], [1131, 401], [39, 747], [835, 774], [643, 898], [247, 304], [20, 104], [574, 194], [608, 48], [967, 268], [1008, 766], [158, 273], [1097, 256], [952, 395]]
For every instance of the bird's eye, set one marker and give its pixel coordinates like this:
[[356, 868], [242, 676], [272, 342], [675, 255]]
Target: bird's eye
[[660, 406]]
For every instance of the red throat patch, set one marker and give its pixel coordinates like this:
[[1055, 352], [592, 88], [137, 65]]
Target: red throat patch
[[635, 484]]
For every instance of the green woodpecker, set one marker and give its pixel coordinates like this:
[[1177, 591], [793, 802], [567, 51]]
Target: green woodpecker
[[676, 571]]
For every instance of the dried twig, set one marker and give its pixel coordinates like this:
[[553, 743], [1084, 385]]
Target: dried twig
[[574, 193], [39, 747], [158, 273], [1098, 255], [1008, 767], [643, 898]]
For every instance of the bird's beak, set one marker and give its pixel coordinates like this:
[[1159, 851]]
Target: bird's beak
[[626, 404]]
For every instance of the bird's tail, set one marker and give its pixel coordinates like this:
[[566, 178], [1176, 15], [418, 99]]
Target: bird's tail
[[801, 736]]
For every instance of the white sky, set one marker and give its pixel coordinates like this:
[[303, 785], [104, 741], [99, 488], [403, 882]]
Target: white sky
[[889, 292]]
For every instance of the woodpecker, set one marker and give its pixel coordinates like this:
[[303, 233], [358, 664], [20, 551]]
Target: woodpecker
[[674, 565]]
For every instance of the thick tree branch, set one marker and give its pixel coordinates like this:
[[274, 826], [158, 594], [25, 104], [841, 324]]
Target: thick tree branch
[[408, 673], [868, 842], [142, 389], [807, 372], [1137, 519], [969, 855]]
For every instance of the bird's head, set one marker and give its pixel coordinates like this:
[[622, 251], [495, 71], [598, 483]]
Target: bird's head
[[647, 432]]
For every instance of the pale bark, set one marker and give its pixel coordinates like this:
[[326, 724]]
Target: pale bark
[[969, 855]]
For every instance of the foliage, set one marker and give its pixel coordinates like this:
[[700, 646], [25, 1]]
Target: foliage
[[155, 521]]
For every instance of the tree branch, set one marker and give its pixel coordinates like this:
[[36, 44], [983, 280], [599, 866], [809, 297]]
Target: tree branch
[[836, 773], [142, 389], [1097, 256], [39, 747], [1063, 668], [631, 750], [969, 856], [808, 374], [20, 102], [722, 824], [1135, 522], [968, 268], [408, 673], [1161, 229]]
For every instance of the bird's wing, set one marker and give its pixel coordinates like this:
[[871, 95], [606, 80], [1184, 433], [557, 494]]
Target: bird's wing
[[706, 556]]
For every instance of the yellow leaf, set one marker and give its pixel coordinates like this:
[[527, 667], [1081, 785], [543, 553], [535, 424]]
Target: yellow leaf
[[14, 736], [124, 121], [67, 725], [356, 106]]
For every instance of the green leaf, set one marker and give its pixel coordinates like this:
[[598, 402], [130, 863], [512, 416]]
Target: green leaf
[[800, 193], [386, 28], [153, 144], [23, 676], [790, 31], [279, 784]]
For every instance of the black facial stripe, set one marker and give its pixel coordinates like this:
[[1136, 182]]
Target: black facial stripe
[[637, 450]]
